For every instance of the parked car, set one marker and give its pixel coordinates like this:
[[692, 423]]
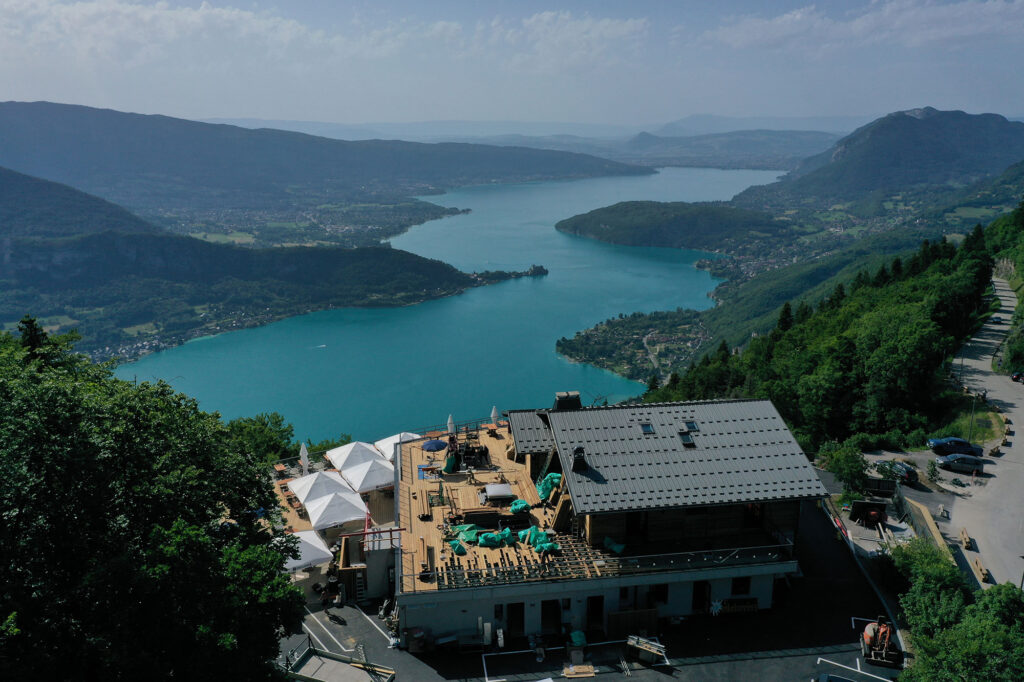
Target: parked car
[[950, 445], [995, 319], [1017, 376], [967, 464], [901, 471]]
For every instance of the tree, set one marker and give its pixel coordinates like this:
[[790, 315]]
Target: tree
[[138, 542], [847, 463], [652, 383], [785, 322], [265, 436]]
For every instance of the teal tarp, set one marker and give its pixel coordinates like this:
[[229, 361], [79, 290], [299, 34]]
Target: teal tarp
[[457, 547], [467, 532], [489, 540], [577, 638], [508, 537], [547, 484], [519, 506]]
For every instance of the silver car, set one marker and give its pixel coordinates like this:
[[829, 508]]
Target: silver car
[[967, 464]]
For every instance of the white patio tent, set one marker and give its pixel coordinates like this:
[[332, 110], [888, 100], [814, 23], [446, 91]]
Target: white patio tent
[[336, 509], [352, 454], [370, 475], [309, 488], [387, 445], [312, 552]]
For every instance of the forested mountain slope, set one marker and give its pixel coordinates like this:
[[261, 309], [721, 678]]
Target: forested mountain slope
[[868, 359], [33, 207]]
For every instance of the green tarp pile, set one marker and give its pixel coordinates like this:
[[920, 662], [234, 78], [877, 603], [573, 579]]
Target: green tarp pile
[[508, 538], [577, 638], [488, 540], [538, 539], [457, 548], [519, 506], [547, 484], [468, 532]]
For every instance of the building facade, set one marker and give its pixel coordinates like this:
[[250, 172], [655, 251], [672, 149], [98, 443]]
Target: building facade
[[658, 511]]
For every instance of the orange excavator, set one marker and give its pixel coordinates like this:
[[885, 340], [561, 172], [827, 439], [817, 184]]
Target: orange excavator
[[879, 644]]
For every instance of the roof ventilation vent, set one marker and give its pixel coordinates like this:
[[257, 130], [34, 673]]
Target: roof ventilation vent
[[579, 461]]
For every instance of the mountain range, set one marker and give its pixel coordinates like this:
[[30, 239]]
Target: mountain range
[[159, 162]]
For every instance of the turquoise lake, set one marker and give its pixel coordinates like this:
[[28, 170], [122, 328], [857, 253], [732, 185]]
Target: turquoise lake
[[372, 372]]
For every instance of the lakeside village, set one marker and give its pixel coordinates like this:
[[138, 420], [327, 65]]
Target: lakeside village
[[576, 534]]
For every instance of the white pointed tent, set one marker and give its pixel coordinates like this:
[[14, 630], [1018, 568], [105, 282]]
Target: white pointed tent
[[352, 454], [494, 414], [387, 445], [312, 552], [334, 510], [369, 476], [309, 488], [304, 459]]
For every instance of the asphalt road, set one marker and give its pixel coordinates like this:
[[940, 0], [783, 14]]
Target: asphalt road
[[988, 509]]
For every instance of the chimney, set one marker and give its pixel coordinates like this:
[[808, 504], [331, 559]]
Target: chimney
[[568, 400], [579, 460]]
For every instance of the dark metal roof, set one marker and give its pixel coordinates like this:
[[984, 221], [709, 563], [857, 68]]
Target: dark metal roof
[[530, 432], [742, 452]]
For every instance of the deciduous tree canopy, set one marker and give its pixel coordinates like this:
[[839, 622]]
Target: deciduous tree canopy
[[137, 541]]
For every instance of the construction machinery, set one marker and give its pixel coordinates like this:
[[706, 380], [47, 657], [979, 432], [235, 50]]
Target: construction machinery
[[879, 644]]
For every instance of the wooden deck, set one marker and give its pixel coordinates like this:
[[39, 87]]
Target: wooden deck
[[430, 505]]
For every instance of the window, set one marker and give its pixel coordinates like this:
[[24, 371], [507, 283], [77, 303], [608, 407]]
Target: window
[[692, 426], [741, 586], [687, 439], [647, 429], [566, 604], [497, 611]]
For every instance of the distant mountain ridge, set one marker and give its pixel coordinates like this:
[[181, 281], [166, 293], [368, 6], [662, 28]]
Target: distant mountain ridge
[[32, 207], [152, 161], [905, 149], [754, 149], [706, 124]]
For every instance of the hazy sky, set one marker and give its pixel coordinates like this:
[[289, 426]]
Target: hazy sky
[[636, 62]]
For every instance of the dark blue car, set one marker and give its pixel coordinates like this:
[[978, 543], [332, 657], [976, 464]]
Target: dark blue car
[[953, 445]]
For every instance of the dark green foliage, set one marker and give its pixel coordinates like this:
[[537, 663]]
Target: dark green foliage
[[785, 322], [1005, 237], [938, 593], [846, 462], [114, 555], [30, 207], [674, 225], [162, 162], [868, 361], [269, 437], [958, 635]]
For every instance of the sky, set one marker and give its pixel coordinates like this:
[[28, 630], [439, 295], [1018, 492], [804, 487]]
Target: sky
[[593, 61]]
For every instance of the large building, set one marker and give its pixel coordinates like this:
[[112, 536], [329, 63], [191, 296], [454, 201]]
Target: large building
[[662, 510]]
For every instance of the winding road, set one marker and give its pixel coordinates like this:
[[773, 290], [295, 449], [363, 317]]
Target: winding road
[[990, 512]]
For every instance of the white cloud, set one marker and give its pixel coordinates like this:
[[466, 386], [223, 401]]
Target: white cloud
[[907, 23]]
